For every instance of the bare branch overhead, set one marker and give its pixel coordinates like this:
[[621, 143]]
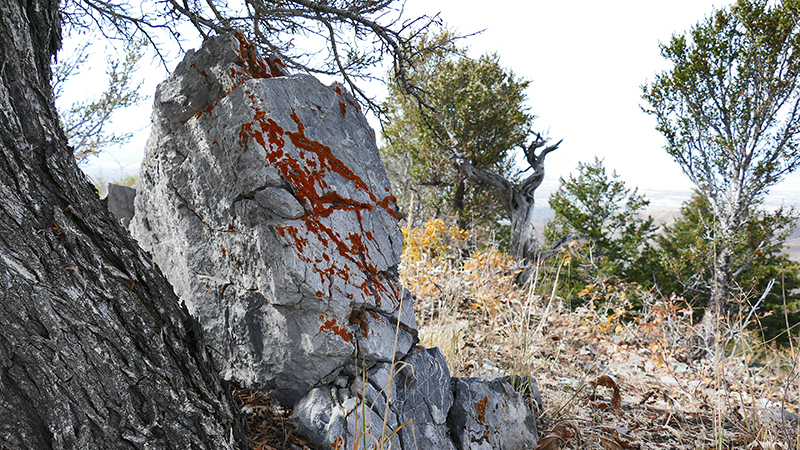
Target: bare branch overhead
[[351, 38]]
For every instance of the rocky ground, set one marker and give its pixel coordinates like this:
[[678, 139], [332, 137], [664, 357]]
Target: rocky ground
[[616, 390], [610, 378], [611, 389]]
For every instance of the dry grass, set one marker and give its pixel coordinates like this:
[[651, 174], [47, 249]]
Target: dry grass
[[611, 378], [581, 357]]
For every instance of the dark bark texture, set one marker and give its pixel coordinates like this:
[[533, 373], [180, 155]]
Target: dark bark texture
[[95, 351]]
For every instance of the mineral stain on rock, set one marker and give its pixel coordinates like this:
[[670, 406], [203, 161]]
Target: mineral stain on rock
[[481, 410], [267, 168], [264, 201]]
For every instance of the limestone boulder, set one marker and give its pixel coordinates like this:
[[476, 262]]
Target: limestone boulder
[[263, 200], [404, 405], [120, 202], [415, 404], [490, 415]]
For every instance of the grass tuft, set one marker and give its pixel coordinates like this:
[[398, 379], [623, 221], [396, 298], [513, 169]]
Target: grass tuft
[[611, 375]]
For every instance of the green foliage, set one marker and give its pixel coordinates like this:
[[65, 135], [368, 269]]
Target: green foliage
[[728, 106], [683, 263], [730, 111], [603, 216], [477, 102], [84, 122]]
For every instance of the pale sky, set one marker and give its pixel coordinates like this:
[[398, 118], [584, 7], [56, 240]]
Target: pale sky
[[586, 61]]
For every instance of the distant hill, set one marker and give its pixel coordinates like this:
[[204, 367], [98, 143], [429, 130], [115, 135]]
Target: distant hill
[[544, 214]]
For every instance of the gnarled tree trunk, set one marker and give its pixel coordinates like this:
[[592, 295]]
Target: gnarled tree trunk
[[518, 202], [95, 351]]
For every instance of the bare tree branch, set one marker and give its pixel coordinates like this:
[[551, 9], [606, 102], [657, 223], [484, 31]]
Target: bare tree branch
[[373, 28]]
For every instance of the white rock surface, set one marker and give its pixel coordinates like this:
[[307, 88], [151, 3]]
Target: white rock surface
[[264, 201]]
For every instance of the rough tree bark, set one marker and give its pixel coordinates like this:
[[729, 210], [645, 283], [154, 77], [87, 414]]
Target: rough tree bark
[[518, 202], [458, 203], [95, 351]]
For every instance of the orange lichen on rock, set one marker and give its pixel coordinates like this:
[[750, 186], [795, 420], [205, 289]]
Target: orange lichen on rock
[[251, 63], [350, 102], [330, 326], [481, 410], [207, 109], [326, 158], [276, 66], [247, 67], [385, 205], [307, 170], [335, 201], [358, 321]]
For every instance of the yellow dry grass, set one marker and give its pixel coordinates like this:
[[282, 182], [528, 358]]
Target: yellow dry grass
[[610, 377]]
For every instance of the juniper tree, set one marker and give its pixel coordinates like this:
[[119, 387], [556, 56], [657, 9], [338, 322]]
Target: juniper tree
[[460, 137], [729, 108], [599, 212]]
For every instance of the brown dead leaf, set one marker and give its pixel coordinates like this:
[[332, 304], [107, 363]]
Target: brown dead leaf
[[607, 381], [599, 405], [610, 444], [549, 442], [616, 441], [558, 435]]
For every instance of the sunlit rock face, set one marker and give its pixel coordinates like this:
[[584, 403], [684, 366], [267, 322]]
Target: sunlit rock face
[[263, 200]]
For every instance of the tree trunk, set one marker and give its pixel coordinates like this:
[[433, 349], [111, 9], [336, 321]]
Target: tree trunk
[[458, 203], [720, 288], [95, 351], [523, 232], [518, 202], [718, 302]]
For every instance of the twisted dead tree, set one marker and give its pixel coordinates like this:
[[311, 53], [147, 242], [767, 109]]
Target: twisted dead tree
[[458, 136], [517, 201]]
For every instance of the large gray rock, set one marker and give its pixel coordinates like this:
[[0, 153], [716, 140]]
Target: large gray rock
[[489, 415], [120, 201], [427, 410], [424, 397], [264, 201], [419, 397]]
